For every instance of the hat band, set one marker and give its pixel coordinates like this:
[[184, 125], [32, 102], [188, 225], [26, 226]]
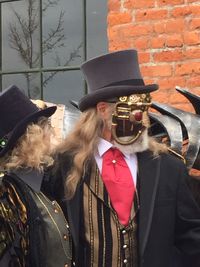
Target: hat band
[[133, 82]]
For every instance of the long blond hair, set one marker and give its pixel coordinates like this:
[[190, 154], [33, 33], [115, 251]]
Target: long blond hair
[[82, 142], [32, 149]]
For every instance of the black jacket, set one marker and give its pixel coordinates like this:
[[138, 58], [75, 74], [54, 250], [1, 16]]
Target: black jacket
[[169, 217]]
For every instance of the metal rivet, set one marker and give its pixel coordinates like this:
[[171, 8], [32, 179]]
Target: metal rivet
[[123, 232], [56, 211], [114, 161], [65, 237], [125, 261], [125, 246]]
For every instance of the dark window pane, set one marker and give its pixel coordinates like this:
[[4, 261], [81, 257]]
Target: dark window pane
[[62, 33], [96, 27], [63, 86], [20, 31], [62, 43], [29, 83]]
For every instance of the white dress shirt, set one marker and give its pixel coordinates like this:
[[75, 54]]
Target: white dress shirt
[[131, 159]]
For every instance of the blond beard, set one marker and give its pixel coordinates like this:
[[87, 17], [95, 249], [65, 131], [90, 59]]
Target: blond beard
[[141, 144]]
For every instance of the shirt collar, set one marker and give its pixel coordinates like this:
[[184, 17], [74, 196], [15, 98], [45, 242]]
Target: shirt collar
[[33, 178], [104, 145]]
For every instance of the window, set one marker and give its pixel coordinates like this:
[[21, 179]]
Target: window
[[44, 42]]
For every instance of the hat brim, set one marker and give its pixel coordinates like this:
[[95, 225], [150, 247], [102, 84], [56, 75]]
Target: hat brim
[[110, 92], [20, 128]]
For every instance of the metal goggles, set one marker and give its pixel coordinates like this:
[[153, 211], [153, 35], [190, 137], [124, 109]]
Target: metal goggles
[[127, 119]]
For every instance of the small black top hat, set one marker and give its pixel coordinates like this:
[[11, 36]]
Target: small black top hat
[[16, 112], [113, 75]]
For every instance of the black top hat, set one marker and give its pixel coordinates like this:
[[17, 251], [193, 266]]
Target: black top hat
[[113, 75], [16, 112]]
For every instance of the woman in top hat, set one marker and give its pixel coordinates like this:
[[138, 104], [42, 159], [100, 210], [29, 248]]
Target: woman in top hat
[[128, 203], [33, 230]]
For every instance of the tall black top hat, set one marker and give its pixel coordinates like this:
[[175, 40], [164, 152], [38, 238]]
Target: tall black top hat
[[16, 112], [113, 75]]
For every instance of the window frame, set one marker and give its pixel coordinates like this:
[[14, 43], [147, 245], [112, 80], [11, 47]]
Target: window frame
[[41, 69]]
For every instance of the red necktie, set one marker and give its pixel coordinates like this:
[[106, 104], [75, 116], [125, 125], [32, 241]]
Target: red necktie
[[119, 183]]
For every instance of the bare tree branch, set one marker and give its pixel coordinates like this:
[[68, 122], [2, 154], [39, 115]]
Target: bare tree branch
[[23, 31], [49, 3], [72, 56], [56, 36]]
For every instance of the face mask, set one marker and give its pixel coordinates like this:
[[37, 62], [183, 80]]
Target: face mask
[[127, 118]]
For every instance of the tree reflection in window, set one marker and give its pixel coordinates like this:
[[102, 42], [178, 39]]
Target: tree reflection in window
[[24, 35]]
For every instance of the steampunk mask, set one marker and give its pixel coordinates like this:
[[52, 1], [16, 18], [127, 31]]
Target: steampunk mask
[[127, 118]]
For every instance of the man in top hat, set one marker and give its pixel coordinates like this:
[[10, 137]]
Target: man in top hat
[[125, 197], [33, 230]]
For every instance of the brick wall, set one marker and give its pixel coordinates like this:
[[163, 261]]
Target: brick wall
[[167, 35]]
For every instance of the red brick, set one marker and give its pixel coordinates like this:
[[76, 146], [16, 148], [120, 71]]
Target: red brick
[[195, 91], [151, 14], [116, 18], [159, 27], [170, 26], [194, 82], [192, 53], [169, 2], [120, 45], [139, 3], [191, 10], [187, 68], [176, 98], [113, 5], [174, 40], [168, 56], [141, 43], [144, 57], [156, 71], [136, 30], [181, 11], [150, 81], [158, 42], [172, 82], [174, 26], [113, 33], [195, 10], [194, 24], [160, 96], [191, 38]]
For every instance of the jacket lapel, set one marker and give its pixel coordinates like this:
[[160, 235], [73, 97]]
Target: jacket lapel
[[96, 185], [149, 172]]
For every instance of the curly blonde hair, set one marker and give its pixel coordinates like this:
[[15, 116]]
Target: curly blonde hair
[[32, 149], [82, 142]]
